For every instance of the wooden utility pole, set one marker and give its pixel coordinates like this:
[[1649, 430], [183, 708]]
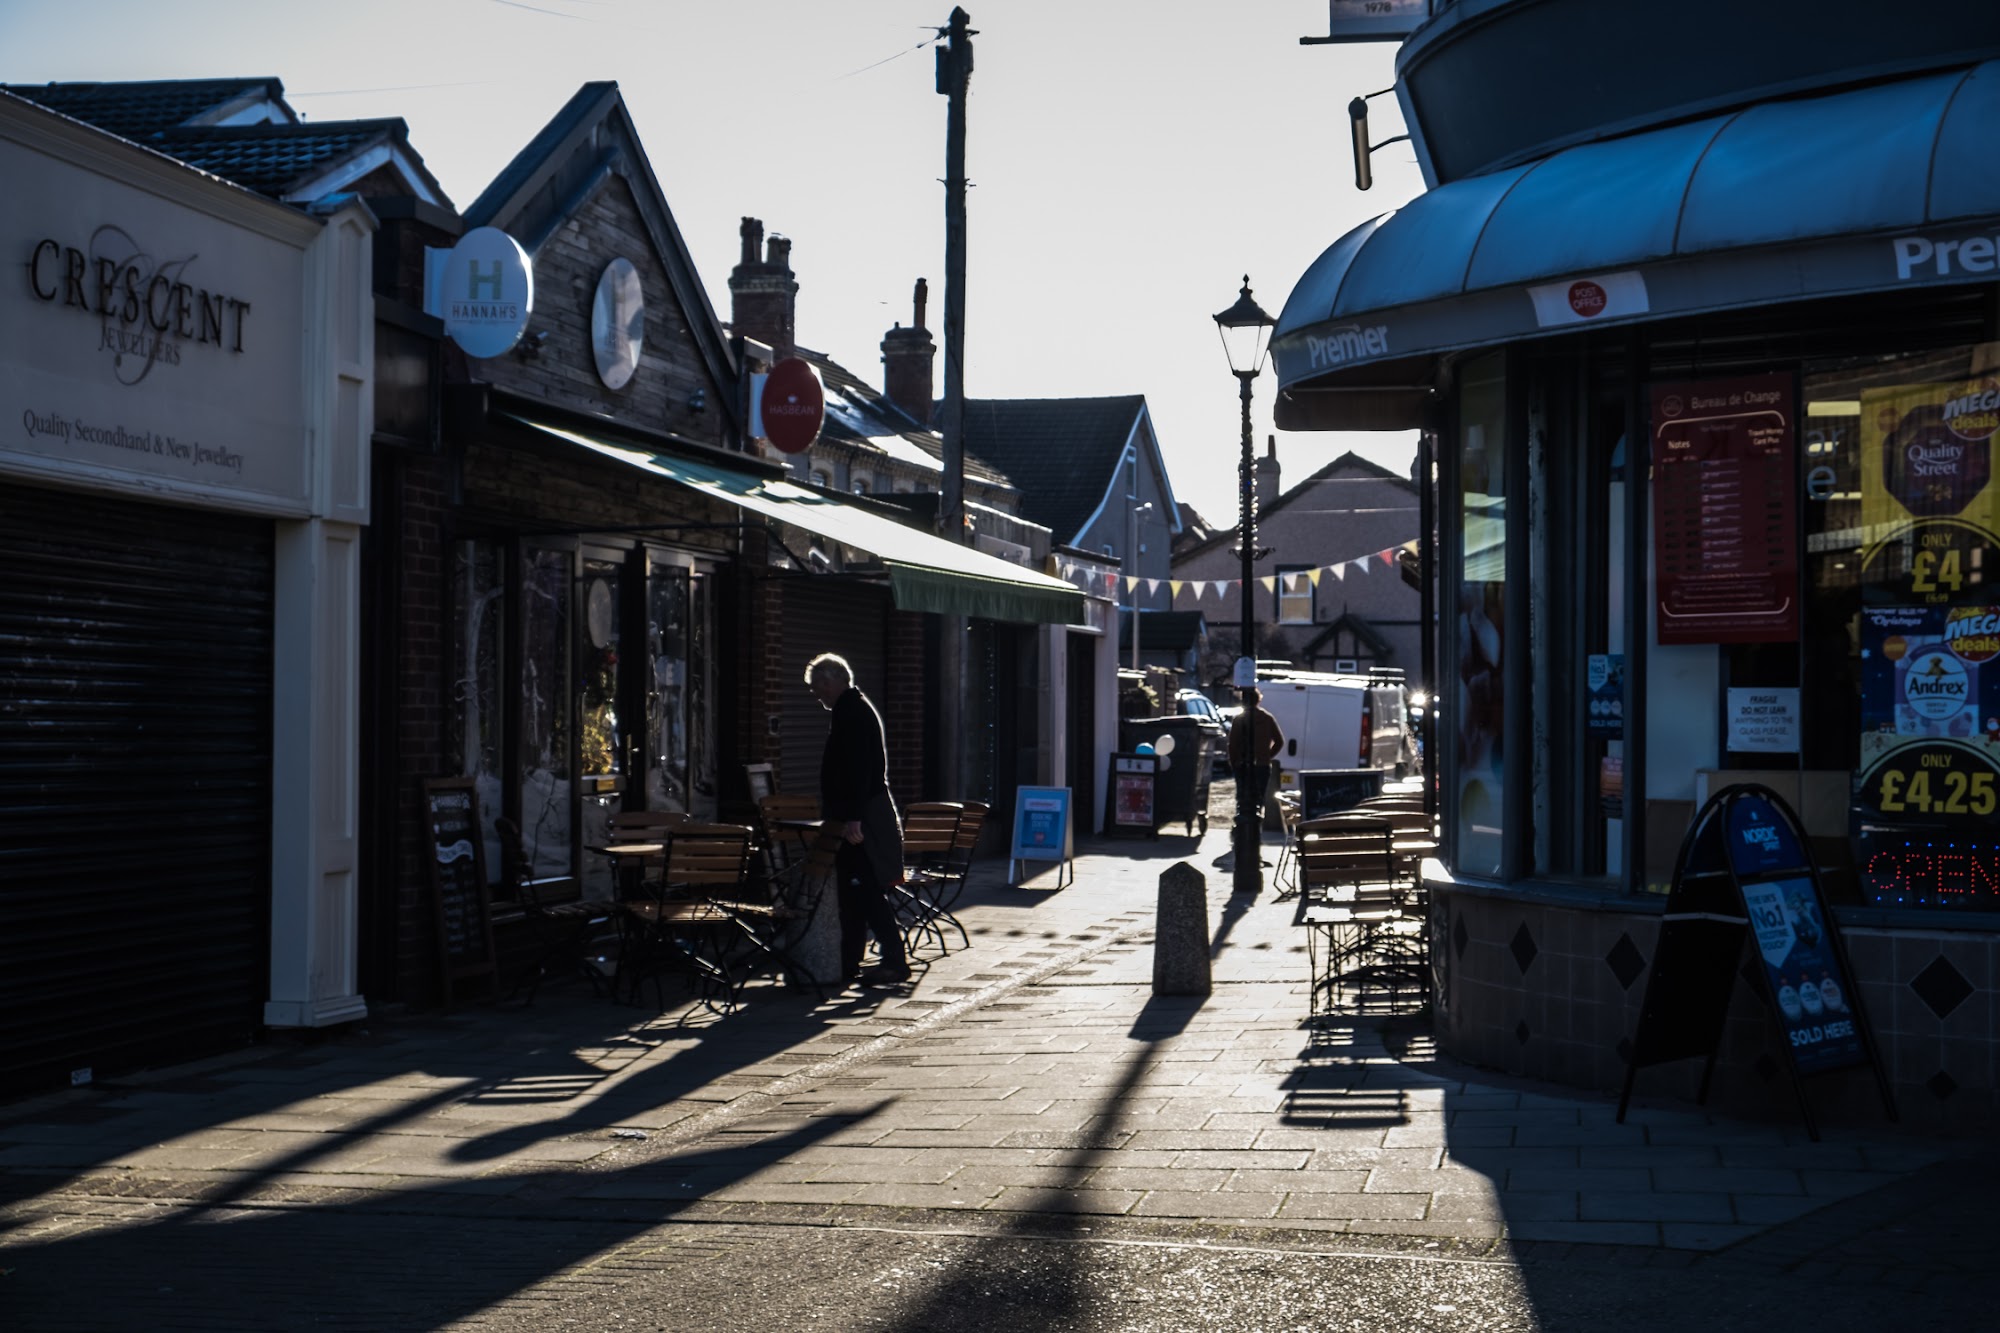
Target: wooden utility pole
[[954, 77]]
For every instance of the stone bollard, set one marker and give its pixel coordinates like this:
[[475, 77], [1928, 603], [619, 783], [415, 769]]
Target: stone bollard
[[1180, 933]]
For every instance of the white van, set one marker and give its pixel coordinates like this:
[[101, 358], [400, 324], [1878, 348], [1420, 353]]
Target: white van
[[1341, 721]]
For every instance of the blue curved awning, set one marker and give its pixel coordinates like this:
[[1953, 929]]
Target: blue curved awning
[[1874, 189]]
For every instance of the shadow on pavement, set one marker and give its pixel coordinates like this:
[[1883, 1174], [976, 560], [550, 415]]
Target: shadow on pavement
[[1059, 1297]]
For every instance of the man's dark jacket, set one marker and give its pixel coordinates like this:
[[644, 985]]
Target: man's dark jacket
[[854, 782]]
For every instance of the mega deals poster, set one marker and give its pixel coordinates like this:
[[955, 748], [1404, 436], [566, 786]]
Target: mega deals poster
[[1930, 713], [1929, 503]]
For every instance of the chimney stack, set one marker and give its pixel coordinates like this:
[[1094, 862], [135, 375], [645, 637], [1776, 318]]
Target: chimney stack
[[763, 297], [1267, 475], [907, 356]]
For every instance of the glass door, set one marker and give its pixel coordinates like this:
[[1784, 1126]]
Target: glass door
[[603, 726], [665, 681]]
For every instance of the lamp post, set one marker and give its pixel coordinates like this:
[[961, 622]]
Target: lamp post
[[1132, 563], [1246, 331]]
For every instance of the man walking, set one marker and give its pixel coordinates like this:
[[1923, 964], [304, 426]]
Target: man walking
[[1254, 741], [854, 801]]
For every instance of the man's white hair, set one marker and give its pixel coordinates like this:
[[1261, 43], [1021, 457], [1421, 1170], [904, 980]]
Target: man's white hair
[[832, 664]]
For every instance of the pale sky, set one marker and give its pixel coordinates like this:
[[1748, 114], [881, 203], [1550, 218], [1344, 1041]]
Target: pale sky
[[1130, 161]]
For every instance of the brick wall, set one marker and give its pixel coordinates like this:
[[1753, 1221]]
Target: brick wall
[[564, 371], [1551, 991]]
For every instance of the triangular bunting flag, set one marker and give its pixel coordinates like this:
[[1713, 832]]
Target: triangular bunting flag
[[1389, 556], [1131, 582], [1269, 583], [1173, 587], [1338, 571], [1314, 575], [1152, 586]]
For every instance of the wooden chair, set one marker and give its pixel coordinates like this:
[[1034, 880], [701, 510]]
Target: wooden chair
[[779, 833], [1355, 906], [700, 917], [930, 842], [572, 934]]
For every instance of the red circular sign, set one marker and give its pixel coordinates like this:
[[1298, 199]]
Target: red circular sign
[[1587, 299], [794, 405]]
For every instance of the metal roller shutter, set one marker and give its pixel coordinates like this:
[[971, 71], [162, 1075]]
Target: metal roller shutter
[[135, 769], [827, 615]]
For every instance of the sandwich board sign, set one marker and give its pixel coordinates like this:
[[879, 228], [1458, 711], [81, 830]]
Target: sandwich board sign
[[1744, 873], [1042, 831]]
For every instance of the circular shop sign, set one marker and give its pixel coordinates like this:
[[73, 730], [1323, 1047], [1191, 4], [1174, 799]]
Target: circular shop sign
[[489, 292], [793, 404], [618, 323]]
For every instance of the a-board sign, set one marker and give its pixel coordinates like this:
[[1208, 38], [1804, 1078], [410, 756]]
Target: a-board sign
[[454, 849], [1745, 870], [1134, 778], [1042, 829], [1328, 791]]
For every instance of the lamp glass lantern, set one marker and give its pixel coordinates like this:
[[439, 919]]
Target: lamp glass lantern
[[1246, 332]]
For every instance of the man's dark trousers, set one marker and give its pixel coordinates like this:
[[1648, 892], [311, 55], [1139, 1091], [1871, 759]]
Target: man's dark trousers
[[1252, 781], [864, 906]]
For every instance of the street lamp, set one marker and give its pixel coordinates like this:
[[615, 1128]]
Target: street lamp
[[1132, 563], [1246, 330]]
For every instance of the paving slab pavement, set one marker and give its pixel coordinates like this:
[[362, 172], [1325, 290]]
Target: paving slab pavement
[[1028, 1085]]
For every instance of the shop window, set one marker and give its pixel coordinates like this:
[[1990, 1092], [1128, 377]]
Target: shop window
[[1478, 772], [1295, 595], [822, 478], [860, 484], [545, 764], [1898, 679], [477, 720]]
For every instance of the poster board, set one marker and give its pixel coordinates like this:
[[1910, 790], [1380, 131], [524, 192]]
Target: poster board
[[1042, 830], [1328, 791], [1744, 872], [454, 846], [1725, 540], [1133, 787]]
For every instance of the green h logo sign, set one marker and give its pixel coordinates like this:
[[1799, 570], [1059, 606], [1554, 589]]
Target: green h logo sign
[[474, 280]]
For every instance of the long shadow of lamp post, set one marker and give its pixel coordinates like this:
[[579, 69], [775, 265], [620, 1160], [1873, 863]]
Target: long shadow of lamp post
[[1246, 331]]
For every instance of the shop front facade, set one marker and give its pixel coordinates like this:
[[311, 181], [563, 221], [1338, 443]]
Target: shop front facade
[[1710, 401], [187, 373]]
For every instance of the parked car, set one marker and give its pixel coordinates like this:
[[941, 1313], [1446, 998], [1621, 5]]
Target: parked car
[[1199, 706]]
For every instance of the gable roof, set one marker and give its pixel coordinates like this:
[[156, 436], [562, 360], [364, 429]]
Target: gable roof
[[132, 110], [589, 141], [1060, 452], [1349, 463]]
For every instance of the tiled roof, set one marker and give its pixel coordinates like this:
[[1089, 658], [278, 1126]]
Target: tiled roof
[[1060, 452], [272, 158], [134, 110], [856, 411]]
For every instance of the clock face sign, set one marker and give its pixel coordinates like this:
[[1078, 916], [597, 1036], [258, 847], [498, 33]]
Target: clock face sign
[[618, 323]]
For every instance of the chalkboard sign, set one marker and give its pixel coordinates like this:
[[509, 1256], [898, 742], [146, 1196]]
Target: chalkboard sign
[[1743, 871], [1328, 791], [454, 846], [1133, 777], [1041, 830]]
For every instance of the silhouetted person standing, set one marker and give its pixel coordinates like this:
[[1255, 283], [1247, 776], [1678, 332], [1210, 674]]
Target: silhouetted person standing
[[854, 801], [1254, 741]]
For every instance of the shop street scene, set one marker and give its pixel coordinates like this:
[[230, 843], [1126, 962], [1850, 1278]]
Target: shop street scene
[[1318, 665]]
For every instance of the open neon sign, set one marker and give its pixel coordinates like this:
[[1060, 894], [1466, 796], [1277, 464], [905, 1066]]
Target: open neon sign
[[1930, 872]]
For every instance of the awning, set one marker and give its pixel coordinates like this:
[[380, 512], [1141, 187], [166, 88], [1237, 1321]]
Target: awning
[[1875, 189], [926, 573]]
